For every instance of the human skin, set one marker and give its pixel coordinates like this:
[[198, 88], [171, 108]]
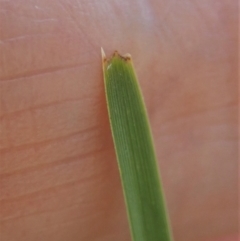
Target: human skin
[[58, 173]]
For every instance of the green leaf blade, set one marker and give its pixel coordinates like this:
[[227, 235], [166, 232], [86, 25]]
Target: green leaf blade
[[135, 152]]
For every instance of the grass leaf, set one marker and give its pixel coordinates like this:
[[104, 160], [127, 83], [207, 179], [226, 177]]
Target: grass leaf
[[135, 152]]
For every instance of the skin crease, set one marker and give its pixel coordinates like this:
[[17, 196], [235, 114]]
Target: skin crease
[[58, 173]]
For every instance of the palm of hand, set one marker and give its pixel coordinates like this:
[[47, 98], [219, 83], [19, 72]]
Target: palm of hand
[[59, 179]]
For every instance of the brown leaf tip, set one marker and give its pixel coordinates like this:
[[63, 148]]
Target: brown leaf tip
[[126, 57], [115, 53]]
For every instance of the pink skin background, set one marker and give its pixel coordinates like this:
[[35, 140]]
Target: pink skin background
[[58, 174]]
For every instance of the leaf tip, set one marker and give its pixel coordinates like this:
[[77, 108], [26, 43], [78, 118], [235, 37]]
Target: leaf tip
[[104, 58], [127, 57]]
